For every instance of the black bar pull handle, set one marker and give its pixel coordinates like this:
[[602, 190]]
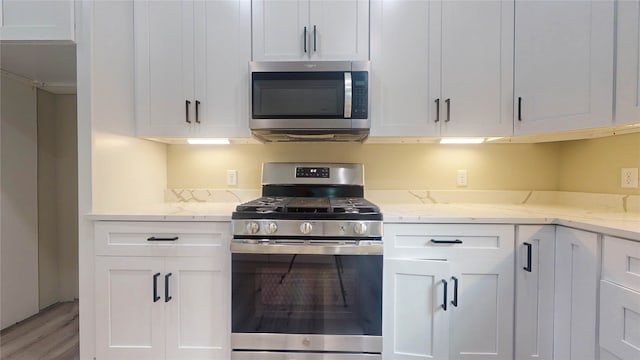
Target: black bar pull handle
[[454, 302], [166, 288], [314, 38], [456, 241], [444, 298], [519, 108], [155, 287], [438, 110], [448, 102], [153, 238], [197, 105], [528, 267], [304, 39], [187, 103]]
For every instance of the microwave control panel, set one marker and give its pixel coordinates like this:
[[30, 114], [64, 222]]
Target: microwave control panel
[[360, 98]]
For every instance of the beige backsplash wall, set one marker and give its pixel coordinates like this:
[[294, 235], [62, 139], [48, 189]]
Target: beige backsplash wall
[[387, 166], [591, 165], [594, 165]]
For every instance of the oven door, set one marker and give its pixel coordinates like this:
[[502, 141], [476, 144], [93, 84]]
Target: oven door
[[316, 298]]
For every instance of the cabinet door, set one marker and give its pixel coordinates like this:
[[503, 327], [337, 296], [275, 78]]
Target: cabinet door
[[222, 55], [339, 30], [164, 68], [415, 323], [577, 263], [478, 94], [37, 20], [482, 322], [197, 313], [129, 320], [405, 68], [563, 65], [620, 320], [535, 249], [278, 28], [628, 62]]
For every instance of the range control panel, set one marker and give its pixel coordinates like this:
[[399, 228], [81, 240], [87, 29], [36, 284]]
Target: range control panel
[[312, 172]]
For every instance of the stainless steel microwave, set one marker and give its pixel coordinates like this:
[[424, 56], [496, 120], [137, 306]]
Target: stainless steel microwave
[[310, 101]]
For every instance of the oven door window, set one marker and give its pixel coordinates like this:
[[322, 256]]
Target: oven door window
[[284, 95], [307, 294]]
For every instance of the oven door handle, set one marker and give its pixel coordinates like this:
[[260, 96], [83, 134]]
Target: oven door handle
[[362, 249]]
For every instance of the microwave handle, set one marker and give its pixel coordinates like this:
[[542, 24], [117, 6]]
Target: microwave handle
[[348, 93]]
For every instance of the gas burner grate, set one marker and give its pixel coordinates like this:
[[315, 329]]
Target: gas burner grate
[[308, 205]]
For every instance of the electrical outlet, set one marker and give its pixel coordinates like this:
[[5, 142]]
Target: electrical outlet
[[629, 178], [232, 177], [461, 178]]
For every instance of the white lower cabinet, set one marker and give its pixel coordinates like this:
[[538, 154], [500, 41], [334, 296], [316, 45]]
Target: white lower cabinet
[[164, 306], [577, 263], [448, 291], [415, 322], [535, 250], [620, 321], [127, 318], [620, 300]]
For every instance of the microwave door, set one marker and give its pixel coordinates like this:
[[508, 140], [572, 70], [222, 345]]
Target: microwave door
[[296, 95]]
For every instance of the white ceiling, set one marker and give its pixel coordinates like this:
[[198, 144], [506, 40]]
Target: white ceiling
[[51, 66]]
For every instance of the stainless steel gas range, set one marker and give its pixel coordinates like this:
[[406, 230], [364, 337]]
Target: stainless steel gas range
[[307, 267]]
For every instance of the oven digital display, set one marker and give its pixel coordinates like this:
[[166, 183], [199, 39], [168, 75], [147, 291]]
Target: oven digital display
[[312, 172]]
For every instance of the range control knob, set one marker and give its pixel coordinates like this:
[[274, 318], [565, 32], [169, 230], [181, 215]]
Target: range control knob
[[253, 227], [306, 228], [271, 228], [360, 228]]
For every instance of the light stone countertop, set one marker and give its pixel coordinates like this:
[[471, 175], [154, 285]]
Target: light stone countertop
[[626, 225], [621, 224], [208, 211]]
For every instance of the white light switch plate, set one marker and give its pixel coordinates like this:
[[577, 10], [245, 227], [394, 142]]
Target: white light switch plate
[[232, 177], [461, 178], [629, 178]]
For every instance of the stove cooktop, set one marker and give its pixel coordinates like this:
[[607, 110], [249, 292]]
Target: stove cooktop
[[325, 208]]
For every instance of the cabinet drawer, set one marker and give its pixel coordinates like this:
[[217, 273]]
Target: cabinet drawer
[[620, 321], [446, 241], [122, 238], [621, 262]]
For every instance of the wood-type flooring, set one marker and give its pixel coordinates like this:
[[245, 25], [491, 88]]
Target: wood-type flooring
[[52, 334]]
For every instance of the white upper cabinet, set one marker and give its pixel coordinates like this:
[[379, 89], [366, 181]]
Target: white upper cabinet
[[310, 30], [628, 63], [442, 68], [563, 65], [405, 67], [44, 20], [164, 67], [477, 68], [222, 55], [191, 70]]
